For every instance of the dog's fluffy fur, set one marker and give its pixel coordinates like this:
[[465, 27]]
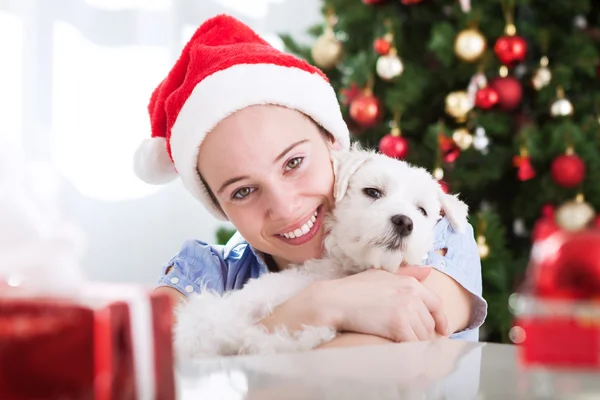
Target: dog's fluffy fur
[[370, 189]]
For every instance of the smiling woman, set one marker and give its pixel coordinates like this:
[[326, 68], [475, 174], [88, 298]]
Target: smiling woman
[[275, 187]]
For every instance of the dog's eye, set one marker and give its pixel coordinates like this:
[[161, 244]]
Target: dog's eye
[[422, 211], [372, 193]]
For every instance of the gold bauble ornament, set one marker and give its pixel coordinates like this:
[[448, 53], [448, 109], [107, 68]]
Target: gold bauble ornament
[[327, 50], [463, 138], [574, 215], [469, 45], [542, 76], [389, 66], [458, 105], [484, 249]]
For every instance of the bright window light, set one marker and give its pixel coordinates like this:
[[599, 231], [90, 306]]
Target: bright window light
[[11, 76], [130, 4], [248, 8], [100, 95]]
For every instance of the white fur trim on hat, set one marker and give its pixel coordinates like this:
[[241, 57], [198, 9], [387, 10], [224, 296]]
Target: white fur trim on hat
[[240, 86], [152, 163]]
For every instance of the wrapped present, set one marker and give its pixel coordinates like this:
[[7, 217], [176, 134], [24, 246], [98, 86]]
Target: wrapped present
[[61, 335], [557, 312], [110, 342]]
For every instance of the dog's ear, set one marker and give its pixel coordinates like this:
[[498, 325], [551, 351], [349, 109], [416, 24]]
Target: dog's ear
[[456, 210], [345, 164]]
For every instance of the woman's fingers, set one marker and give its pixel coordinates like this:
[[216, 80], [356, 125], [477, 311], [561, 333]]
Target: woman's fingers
[[435, 307], [428, 324]]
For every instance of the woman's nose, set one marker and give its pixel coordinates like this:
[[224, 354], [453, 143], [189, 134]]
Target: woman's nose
[[283, 203]]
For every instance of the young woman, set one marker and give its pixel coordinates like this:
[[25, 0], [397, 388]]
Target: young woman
[[248, 129]]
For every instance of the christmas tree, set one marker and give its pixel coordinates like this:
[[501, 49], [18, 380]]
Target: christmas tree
[[498, 98]]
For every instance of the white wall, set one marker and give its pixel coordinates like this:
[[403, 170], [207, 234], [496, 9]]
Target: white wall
[[75, 81]]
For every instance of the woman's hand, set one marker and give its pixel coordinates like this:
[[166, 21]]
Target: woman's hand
[[397, 307]]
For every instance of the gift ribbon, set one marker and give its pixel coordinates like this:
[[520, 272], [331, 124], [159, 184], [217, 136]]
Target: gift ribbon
[[142, 337], [143, 342]]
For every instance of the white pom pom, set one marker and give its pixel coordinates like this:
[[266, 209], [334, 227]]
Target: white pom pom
[[152, 163]]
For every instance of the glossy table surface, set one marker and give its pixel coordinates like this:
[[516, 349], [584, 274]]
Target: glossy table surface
[[441, 369]]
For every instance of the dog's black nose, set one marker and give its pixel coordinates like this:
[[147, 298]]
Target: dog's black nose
[[402, 224]]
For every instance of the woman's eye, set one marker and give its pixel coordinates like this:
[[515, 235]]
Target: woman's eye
[[294, 163], [372, 193], [242, 193], [422, 211]]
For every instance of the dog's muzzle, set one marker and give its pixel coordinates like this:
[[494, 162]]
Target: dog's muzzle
[[402, 224], [400, 228]]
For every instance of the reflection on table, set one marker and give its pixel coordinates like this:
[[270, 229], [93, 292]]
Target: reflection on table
[[441, 369]]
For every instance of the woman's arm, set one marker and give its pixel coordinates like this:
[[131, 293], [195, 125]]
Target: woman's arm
[[456, 278], [456, 305], [455, 298], [374, 302]]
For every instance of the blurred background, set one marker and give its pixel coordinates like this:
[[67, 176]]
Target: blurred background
[[75, 79]]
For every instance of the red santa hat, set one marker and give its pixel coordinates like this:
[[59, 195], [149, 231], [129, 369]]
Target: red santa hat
[[226, 67]]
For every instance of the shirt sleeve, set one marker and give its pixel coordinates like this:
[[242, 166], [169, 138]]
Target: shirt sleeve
[[197, 267], [462, 263]]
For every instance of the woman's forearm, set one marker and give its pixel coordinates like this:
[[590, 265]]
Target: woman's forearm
[[456, 299]]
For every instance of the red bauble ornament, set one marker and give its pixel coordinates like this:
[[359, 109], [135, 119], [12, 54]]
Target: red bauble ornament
[[526, 171], [452, 155], [382, 46], [596, 223], [409, 2], [543, 228], [568, 266], [568, 170], [449, 148], [510, 92], [445, 187], [394, 146], [510, 50], [548, 211], [365, 109], [486, 98]]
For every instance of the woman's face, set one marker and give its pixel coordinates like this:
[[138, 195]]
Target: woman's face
[[270, 170]]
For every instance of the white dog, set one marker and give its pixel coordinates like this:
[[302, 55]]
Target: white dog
[[384, 217]]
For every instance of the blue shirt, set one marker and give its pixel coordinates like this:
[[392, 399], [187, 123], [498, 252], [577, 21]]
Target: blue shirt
[[199, 266]]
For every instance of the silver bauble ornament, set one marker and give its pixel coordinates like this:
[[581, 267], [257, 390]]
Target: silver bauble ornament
[[389, 66]]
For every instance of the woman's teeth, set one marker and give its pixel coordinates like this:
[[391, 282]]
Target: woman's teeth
[[304, 229]]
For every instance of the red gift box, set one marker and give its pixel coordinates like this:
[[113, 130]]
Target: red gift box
[[113, 342], [557, 316], [559, 334]]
